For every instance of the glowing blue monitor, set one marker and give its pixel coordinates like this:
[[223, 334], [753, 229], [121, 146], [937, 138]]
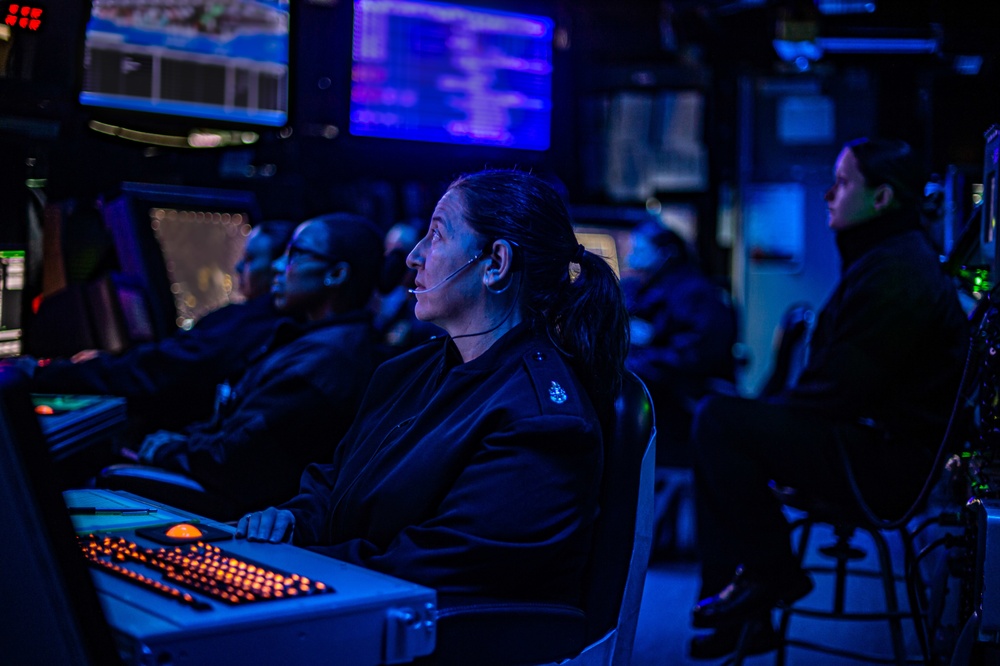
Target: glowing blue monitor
[[214, 61], [429, 71]]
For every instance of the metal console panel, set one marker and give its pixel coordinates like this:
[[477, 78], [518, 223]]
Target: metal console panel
[[369, 619]]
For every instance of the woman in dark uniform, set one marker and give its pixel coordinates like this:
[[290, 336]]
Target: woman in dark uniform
[[474, 464]]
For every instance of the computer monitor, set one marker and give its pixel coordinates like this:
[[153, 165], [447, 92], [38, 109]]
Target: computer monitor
[[12, 280], [451, 73], [991, 157], [177, 250], [52, 611], [607, 230], [609, 243], [974, 257], [189, 62]]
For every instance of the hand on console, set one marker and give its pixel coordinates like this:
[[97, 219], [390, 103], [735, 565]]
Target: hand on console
[[271, 525]]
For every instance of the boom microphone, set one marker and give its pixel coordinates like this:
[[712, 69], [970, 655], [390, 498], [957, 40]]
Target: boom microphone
[[453, 274]]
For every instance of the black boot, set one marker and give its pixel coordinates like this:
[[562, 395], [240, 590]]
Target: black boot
[[758, 637], [749, 595]]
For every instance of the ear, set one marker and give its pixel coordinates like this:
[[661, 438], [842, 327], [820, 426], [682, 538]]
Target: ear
[[337, 275], [884, 197], [501, 265]]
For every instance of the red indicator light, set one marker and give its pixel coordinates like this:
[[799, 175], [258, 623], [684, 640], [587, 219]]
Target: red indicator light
[[24, 16]]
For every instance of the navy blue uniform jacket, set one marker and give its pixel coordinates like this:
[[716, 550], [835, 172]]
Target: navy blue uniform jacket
[[890, 342], [475, 479], [289, 409], [172, 382]]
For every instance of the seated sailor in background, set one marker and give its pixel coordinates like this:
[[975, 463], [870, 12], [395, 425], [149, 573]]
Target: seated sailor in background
[[172, 382], [395, 322], [299, 394], [683, 332], [874, 400], [474, 464]]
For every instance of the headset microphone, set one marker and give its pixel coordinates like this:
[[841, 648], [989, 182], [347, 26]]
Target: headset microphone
[[453, 274]]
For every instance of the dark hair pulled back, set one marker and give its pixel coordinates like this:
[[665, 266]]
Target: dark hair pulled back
[[891, 162], [584, 312]]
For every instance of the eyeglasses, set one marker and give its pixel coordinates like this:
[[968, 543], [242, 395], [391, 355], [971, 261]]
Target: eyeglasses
[[293, 251]]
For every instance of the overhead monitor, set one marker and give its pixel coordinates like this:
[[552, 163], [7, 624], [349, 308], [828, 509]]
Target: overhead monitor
[[451, 73], [225, 61]]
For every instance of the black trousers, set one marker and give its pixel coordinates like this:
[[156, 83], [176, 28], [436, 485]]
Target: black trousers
[[739, 445]]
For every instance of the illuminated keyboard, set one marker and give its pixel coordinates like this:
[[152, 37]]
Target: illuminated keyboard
[[199, 566]]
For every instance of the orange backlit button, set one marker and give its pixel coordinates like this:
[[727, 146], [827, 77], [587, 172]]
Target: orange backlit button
[[183, 531]]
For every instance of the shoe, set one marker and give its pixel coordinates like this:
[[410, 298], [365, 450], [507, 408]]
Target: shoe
[[761, 637], [747, 596]]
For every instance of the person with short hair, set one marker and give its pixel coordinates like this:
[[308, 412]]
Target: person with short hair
[[683, 328], [300, 392], [393, 303], [474, 464], [872, 402]]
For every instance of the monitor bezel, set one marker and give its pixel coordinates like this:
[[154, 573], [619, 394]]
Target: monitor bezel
[[421, 135], [141, 259], [152, 126]]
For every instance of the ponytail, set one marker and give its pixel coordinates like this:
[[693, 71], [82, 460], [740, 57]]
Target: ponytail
[[590, 324], [583, 312]]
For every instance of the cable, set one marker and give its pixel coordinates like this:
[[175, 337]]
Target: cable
[[870, 515], [510, 311]]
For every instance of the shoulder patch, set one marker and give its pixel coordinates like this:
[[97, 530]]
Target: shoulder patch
[[555, 387]]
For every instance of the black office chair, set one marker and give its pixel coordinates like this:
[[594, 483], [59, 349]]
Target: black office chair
[[473, 631], [673, 517], [846, 556], [791, 340], [170, 488]]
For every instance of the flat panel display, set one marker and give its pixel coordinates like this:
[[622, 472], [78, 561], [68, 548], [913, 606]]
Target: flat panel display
[[225, 60], [449, 73], [12, 273], [177, 250]]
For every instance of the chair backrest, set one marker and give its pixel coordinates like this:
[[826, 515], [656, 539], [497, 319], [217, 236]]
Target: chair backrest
[[791, 341], [518, 632], [624, 531], [170, 488]]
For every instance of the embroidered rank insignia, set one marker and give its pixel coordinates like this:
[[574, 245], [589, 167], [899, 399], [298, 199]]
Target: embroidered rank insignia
[[557, 394]]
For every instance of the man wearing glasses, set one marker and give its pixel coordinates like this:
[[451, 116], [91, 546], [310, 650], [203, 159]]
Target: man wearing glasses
[[301, 390]]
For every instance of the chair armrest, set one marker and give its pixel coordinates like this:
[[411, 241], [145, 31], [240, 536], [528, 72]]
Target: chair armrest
[[168, 487]]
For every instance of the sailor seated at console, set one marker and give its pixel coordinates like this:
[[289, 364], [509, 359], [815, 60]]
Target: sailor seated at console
[[300, 394], [475, 462]]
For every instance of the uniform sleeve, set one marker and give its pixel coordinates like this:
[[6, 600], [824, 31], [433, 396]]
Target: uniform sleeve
[[259, 450], [867, 341], [523, 506], [151, 369]]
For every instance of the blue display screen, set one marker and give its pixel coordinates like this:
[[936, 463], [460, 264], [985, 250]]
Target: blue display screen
[[222, 61], [451, 74]]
